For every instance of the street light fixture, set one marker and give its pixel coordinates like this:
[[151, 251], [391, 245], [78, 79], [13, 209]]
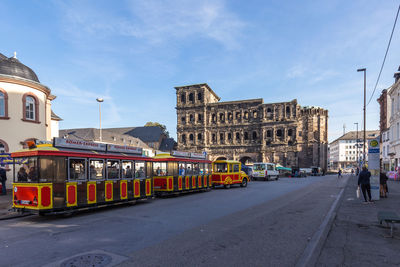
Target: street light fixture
[[365, 78], [100, 100]]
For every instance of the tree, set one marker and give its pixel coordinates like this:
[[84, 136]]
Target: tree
[[162, 127]]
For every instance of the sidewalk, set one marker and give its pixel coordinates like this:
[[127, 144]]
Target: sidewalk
[[356, 237], [5, 203]]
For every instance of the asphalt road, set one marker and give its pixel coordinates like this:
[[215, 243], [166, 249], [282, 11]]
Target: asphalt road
[[267, 223]]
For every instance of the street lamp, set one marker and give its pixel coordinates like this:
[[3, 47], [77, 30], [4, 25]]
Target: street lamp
[[365, 78], [100, 100], [356, 123]]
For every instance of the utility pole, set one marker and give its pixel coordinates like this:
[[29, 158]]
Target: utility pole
[[365, 80], [356, 123]]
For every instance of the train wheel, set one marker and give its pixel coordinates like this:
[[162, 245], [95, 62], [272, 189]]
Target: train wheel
[[244, 183]]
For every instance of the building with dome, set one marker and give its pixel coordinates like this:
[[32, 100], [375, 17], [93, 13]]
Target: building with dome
[[25, 106]]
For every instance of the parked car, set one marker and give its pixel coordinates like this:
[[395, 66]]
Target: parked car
[[298, 173], [316, 171], [265, 171]]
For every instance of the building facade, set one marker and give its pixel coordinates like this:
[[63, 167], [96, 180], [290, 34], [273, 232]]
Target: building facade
[[344, 151], [385, 105], [249, 130], [394, 122]]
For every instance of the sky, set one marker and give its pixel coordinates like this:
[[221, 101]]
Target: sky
[[133, 54]]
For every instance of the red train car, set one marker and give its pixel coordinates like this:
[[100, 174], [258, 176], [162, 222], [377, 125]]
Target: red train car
[[179, 172], [70, 175]]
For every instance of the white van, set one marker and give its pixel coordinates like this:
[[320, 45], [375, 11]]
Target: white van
[[265, 171]]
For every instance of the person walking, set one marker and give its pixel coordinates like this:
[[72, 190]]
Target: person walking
[[340, 173], [383, 184], [3, 179], [364, 182]]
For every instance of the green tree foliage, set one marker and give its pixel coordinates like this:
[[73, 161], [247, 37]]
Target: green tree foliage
[[162, 126]]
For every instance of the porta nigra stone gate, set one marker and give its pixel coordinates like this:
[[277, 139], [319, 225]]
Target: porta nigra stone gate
[[249, 130]]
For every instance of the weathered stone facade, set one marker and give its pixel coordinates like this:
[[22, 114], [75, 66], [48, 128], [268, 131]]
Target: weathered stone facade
[[249, 130]]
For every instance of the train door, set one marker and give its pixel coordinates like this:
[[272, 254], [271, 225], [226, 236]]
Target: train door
[[95, 186], [112, 184], [127, 185], [77, 182]]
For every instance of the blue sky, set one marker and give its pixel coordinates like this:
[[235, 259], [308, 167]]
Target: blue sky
[[133, 53]]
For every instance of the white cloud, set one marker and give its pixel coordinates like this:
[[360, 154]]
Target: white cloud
[[158, 21]]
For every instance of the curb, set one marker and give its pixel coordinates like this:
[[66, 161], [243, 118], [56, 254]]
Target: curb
[[312, 251]]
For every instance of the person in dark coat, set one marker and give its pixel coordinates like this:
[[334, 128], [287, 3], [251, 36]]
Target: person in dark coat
[[3, 179], [363, 180], [383, 184]]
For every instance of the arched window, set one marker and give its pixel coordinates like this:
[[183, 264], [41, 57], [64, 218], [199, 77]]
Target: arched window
[[183, 98], [199, 96], [199, 118], [183, 138], [214, 137], [183, 120], [255, 114], [191, 98], [237, 136], [254, 135], [30, 108], [191, 118], [237, 115], [269, 133], [221, 116], [230, 116], [221, 138], [199, 136], [229, 136], [279, 133], [287, 111], [214, 117], [3, 146], [269, 110], [3, 104], [191, 137], [246, 115], [246, 136]]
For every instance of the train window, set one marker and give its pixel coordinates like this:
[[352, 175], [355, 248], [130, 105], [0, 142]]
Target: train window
[[48, 171], [127, 169], [196, 170], [140, 169], [235, 167], [172, 168], [201, 168], [160, 168], [77, 169], [27, 170], [207, 168], [96, 169], [112, 169], [182, 169], [220, 167], [189, 169]]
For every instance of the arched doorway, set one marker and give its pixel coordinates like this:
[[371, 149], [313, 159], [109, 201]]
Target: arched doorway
[[246, 160]]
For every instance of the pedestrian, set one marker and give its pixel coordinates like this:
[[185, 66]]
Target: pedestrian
[[340, 173], [383, 184], [3, 179], [363, 181]]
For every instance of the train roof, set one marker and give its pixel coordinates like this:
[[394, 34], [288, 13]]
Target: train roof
[[168, 157]]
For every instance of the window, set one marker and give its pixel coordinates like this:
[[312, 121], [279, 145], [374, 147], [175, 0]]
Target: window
[[220, 167], [290, 132], [269, 110], [77, 169], [222, 117], [127, 169], [3, 104], [30, 108], [199, 96], [199, 136], [279, 133], [214, 137], [237, 136], [140, 170], [254, 135], [191, 137], [160, 168], [287, 111], [191, 118], [246, 136], [189, 169], [235, 168], [3, 146], [183, 120], [269, 133], [229, 136], [183, 98], [246, 115], [199, 118], [230, 116], [191, 98], [213, 117], [28, 171], [113, 169], [221, 137], [237, 115], [255, 114], [183, 138], [96, 169]]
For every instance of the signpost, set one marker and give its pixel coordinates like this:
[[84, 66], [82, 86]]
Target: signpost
[[374, 167]]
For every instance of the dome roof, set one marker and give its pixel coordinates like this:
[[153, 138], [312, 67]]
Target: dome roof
[[11, 66]]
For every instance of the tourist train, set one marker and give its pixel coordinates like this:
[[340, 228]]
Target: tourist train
[[69, 175]]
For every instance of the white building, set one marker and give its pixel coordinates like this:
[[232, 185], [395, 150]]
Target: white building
[[394, 122], [344, 152]]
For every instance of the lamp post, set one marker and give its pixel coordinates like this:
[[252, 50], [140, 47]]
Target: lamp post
[[356, 123], [365, 78], [100, 100]]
